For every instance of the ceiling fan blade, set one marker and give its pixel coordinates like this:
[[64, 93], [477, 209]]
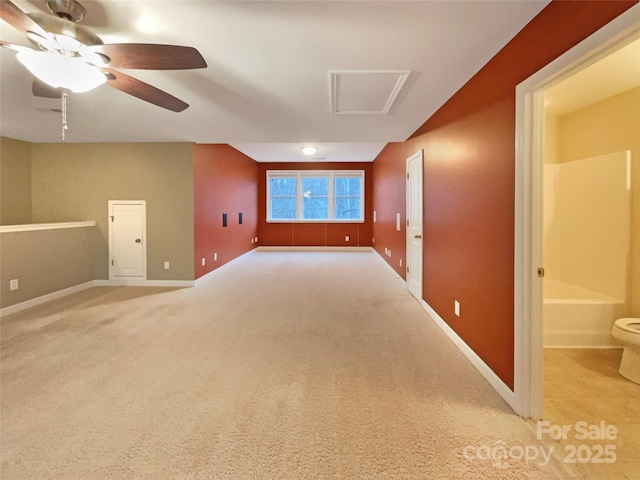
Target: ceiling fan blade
[[143, 91], [41, 89], [15, 48], [149, 56], [10, 13]]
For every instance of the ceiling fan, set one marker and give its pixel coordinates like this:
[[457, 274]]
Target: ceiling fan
[[73, 58]]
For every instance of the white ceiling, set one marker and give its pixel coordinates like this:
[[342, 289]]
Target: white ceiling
[[266, 90], [616, 73]]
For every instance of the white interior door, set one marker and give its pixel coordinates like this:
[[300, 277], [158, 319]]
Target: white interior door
[[127, 240], [414, 224]]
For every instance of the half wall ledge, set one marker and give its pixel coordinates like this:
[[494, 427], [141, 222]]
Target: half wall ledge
[[44, 226]]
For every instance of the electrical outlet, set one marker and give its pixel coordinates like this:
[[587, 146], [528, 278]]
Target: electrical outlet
[[373, 240], [346, 238], [256, 239], [13, 284], [456, 308], [389, 253], [203, 261], [252, 241], [166, 265], [400, 262], [215, 257]]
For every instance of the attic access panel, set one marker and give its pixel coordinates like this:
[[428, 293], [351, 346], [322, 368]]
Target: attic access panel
[[365, 92]]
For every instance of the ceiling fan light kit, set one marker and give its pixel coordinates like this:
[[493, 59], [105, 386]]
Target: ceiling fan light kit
[[73, 58], [60, 71]]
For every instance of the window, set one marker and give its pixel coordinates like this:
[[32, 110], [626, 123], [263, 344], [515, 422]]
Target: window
[[347, 192], [315, 198], [282, 197], [308, 196]]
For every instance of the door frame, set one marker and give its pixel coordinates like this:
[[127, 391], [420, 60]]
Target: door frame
[[417, 154], [528, 361], [143, 204]]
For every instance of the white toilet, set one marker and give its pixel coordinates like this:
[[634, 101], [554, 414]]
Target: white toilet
[[627, 332]]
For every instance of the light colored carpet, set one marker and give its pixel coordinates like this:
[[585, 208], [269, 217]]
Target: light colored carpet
[[296, 365]]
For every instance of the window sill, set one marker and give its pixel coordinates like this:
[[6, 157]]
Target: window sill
[[314, 221]]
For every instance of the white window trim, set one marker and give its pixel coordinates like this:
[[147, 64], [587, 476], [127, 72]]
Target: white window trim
[[299, 175]]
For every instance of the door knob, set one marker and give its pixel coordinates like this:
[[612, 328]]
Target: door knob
[[138, 240], [417, 236]]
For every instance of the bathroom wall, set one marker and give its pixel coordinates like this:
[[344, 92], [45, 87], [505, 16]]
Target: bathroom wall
[[611, 125]]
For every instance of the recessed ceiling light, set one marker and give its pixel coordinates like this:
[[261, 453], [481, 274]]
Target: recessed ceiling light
[[309, 150]]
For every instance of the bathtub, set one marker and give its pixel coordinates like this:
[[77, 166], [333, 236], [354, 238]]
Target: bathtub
[[576, 317]]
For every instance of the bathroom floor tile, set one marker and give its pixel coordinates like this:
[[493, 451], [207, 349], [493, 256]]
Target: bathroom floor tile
[[551, 414], [602, 471], [599, 361], [624, 388], [584, 384], [574, 411], [616, 410], [611, 387], [628, 442], [630, 468], [554, 388]]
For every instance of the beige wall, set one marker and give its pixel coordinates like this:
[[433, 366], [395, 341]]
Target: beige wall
[[15, 182], [611, 125], [74, 182], [45, 261]]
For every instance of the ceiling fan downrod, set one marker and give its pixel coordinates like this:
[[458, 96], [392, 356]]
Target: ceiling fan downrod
[[67, 9]]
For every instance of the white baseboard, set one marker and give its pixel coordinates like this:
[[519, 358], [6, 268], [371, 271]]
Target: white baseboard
[[123, 282], [496, 382], [201, 279], [381, 258], [92, 283], [313, 249], [45, 298]]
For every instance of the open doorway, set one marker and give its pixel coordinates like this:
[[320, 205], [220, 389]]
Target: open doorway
[[530, 124]]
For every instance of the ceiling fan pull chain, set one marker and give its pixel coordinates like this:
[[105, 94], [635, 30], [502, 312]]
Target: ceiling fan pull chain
[[64, 116]]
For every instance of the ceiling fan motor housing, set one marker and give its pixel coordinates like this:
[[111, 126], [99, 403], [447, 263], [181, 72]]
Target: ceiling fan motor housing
[[67, 28], [67, 9]]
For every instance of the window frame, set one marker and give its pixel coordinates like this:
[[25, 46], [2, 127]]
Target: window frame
[[331, 175]]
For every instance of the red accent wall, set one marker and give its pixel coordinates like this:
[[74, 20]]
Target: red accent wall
[[224, 181], [315, 234], [389, 198], [469, 168]]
